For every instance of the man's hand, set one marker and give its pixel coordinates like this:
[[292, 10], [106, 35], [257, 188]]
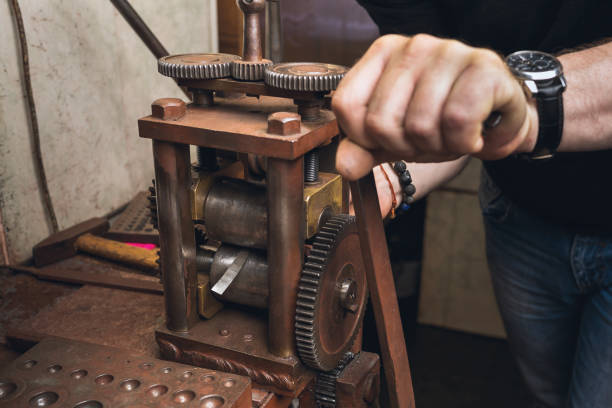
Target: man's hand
[[425, 99]]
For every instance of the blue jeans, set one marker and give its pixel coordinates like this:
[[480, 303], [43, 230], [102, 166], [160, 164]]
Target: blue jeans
[[554, 291]]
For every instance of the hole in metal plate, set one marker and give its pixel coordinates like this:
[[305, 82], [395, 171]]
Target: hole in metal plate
[[104, 379], [187, 374], [44, 399], [166, 370], [6, 389], [78, 374], [212, 401], [29, 364], [129, 384], [146, 366], [208, 378], [89, 404], [183, 397], [156, 391], [55, 368], [229, 382]]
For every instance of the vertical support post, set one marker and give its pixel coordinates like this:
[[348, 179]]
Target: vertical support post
[[285, 180], [382, 290], [177, 240]]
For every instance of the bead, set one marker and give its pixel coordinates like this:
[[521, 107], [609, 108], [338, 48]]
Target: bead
[[409, 200], [410, 189], [405, 178], [404, 207], [399, 167]]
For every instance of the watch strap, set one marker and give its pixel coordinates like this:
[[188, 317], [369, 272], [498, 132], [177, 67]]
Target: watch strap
[[550, 117]]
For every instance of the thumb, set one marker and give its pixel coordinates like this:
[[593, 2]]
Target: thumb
[[353, 161]]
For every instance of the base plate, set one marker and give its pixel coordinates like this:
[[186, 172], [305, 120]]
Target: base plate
[[235, 341], [72, 374]]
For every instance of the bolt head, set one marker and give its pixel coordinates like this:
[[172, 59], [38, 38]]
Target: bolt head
[[284, 123], [224, 332], [168, 109]]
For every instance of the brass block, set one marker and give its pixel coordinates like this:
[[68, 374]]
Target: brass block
[[322, 199], [208, 306], [202, 183]]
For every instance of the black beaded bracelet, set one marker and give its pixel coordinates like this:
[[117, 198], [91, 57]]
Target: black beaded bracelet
[[408, 188]]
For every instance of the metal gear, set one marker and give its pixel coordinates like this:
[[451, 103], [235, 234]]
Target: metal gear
[[325, 386], [331, 296], [249, 70], [305, 76], [196, 66]]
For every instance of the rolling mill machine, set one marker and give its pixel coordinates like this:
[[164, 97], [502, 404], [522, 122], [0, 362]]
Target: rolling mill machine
[[265, 274]]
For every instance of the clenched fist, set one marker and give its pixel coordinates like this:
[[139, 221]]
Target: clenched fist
[[424, 99]]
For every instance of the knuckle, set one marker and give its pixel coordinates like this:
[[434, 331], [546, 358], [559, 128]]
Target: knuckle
[[420, 128], [386, 41], [342, 104], [487, 57], [377, 126], [456, 117]]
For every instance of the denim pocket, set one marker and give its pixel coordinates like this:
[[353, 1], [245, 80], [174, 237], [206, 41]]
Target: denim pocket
[[493, 203]]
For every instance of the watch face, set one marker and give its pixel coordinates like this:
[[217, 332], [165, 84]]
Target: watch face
[[534, 65]]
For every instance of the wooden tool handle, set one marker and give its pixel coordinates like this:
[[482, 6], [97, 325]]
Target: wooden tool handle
[[117, 251], [382, 290]]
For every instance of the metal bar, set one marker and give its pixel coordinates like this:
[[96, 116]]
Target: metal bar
[[144, 32], [274, 39], [285, 181], [140, 27], [382, 290], [176, 236]]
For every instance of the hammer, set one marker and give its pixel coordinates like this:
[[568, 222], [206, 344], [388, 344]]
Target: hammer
[[81, 238]]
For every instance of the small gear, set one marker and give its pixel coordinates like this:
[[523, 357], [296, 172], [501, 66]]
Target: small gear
[[196, 66], [332, 295], [305, 76], [325, 386], [249, 70]]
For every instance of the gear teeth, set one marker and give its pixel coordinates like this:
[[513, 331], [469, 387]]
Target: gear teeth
[[196, 66], [304, 76], [249, 70], [308, 290]]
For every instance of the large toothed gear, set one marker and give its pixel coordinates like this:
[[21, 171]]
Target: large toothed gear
[[331, 296], [196, 66], [305, 76]]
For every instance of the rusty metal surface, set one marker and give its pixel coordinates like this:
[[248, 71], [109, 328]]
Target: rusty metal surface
[[84, 269], [285, 182], [109, 317], [358, 386], [235, 341], [382, 290], [240, 125], [22, 296], [176, 236], [134, 223], [63, 373]]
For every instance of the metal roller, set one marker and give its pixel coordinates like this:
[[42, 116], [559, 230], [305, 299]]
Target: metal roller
[[235, 212], [250, 287]]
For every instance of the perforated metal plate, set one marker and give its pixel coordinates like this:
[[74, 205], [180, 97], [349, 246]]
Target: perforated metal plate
[[134, 223], [68, 374]]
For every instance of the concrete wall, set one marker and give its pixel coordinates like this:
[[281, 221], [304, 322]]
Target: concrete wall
[[92, 79]]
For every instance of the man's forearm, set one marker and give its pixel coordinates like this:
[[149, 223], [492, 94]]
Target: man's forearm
[[588, 99], [429, 176]]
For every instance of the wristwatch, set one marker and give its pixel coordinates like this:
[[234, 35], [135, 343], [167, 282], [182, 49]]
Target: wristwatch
[[542, 77]]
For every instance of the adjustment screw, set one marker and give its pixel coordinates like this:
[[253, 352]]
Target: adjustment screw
[[284, 123], [168, 109], [224, 332]]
